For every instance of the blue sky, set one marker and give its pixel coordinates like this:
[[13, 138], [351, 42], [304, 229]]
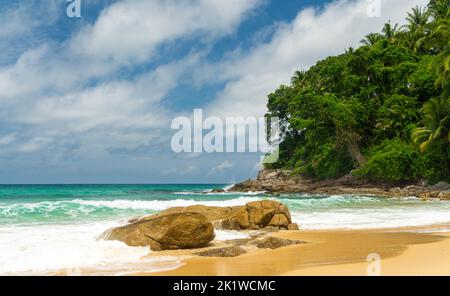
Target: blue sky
[[91, 99]]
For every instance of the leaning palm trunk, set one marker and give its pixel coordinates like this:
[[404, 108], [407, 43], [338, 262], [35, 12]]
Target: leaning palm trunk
[[355, 153]]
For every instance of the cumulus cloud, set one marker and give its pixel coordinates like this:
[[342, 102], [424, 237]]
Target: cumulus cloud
[[21, 24], [104, 89], [130, 31], [314, 34], [56, 90]]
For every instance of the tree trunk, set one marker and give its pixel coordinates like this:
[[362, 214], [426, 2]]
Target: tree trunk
[[355, 153]]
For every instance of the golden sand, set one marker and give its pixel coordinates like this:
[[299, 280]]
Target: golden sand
[[402, 252]]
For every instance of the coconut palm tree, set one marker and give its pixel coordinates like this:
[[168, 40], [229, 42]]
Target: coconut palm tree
[[390, 32], [298, 77], [436, 123], [371, 39], [440, 38], [417, 18], [438, 8]]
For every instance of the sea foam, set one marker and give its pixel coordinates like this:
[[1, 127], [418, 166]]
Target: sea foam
[[159, 205], [67, 249]]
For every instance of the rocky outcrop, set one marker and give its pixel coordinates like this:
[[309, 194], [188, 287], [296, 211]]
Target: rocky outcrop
[[165, 232], [275, 243], [283, 181], [193, 227], [253, 216], [232, 251]]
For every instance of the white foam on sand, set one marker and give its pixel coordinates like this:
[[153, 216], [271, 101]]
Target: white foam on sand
[[70, 248], [224, 235]]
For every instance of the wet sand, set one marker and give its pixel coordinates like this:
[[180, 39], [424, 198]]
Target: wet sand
[[402, 252]]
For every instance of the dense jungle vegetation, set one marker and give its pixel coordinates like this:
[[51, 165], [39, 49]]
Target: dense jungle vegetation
[[381, 111]]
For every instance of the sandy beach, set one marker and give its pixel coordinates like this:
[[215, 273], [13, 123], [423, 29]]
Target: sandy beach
[[402, 252]]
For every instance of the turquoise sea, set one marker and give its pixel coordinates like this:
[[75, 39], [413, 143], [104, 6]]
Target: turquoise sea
[[54, 228]]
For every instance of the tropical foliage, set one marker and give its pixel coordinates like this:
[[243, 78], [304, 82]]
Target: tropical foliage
[[381, 111]]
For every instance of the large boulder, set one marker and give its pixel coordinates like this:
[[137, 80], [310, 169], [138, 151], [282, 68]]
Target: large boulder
[[268, 213], [184, 230], [211, 213], [253, 216]]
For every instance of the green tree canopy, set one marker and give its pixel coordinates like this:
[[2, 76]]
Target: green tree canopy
[[381, 110]]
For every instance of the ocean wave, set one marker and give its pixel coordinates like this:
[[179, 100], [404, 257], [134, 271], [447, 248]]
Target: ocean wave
[[228, 187], [83, 207], [338, 201], [401, 214], [159, 205], [70, 248], [211, 192]]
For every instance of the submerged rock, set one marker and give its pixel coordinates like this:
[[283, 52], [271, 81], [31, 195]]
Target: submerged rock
[[165, 232], [293, 226], [232, 251], [217, 190], [275, 243]]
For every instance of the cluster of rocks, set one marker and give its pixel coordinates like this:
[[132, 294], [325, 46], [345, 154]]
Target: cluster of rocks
[[193, 227], [282, 181], [236, 248], [274, 181], [266, 214], [440, 190]]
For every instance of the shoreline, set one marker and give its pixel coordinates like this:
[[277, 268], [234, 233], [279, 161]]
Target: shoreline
[[405, 251], [283, 182]]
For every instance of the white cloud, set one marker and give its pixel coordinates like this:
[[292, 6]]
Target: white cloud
[[71, 97], [126, 32], [130, 31], [116, 104], [21, 25], [311, 36], [35, 144], [7, 139], [59, 90], [26, 16], [189, 170], [226, 165]]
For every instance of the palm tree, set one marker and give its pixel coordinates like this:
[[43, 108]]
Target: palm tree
[[418, 18], [436, 123], [371, 39], [298, 77], [438, 8], [440, 38], [390, 32]]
